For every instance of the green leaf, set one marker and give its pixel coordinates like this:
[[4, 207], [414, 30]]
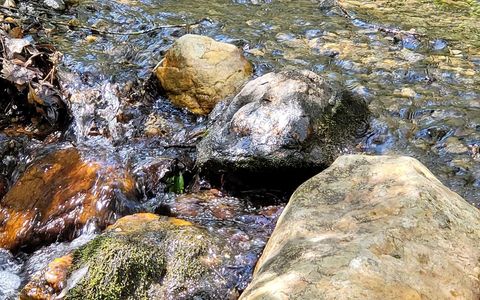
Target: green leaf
[[178, 184]]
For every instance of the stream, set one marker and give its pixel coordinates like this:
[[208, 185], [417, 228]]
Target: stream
[[416, 63]]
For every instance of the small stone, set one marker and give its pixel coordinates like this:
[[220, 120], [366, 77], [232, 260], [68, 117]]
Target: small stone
[[255, 52], [454, 146], [91, 38], [455, 52], [55, 4], [407, 93]]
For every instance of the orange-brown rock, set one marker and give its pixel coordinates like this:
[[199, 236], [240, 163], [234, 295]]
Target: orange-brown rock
[[52, 280], [57, 195], [198, 71], [135, 222]]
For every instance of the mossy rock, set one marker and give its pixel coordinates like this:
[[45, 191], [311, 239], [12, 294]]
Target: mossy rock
[[119, 267], [150, 258]]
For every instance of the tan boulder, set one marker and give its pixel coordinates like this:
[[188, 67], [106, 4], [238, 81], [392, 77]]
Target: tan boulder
[[197, 72], [372, 228]]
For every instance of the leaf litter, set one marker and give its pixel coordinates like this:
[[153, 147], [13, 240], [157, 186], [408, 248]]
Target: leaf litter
[[30, 98]]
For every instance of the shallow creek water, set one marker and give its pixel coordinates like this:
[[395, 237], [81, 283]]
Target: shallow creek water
[[416, 63], [422, 88]]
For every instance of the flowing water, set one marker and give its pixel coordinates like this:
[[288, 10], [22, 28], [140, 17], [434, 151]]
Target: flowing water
[[415, 62]]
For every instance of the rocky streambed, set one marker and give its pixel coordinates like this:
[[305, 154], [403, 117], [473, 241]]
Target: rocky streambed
[[148, 149]]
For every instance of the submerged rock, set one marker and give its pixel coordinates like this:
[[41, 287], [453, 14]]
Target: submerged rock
[[48, 281], [372, 228], [59, 194], [287, 120], [142, 256], [197, 72]]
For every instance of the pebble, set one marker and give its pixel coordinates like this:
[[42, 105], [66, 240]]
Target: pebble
[[55, 4]]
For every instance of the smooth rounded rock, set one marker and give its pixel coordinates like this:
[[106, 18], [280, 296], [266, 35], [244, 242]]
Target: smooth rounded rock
[[198, 71]]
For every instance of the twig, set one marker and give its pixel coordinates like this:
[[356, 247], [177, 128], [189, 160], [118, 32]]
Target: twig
[[9, 8], [186, 146], [345, 12]]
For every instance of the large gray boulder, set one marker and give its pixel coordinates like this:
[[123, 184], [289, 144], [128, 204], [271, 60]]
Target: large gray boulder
[[286, 120], [372, 228]]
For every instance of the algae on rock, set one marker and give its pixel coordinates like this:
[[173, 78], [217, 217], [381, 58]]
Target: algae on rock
[[145, 256]]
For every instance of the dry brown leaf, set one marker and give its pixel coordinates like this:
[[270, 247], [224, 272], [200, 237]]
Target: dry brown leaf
[[14, 46], [33, 98], [16, 32], [9, 3], [46, 100], [17, 74]]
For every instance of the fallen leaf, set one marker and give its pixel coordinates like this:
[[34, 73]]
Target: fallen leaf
[[9, 3], [17, 74], [47, 101], [10, 20], [13, 46], [16, 32], [33, 97]]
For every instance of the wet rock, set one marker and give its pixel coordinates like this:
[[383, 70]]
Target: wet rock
[[152, 174], [156, 126], [59, 194], [372, 228], [287, 120], [55, 4], [326, 4], [244, 226], [49, 281], [144, 256], [197, 72]]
